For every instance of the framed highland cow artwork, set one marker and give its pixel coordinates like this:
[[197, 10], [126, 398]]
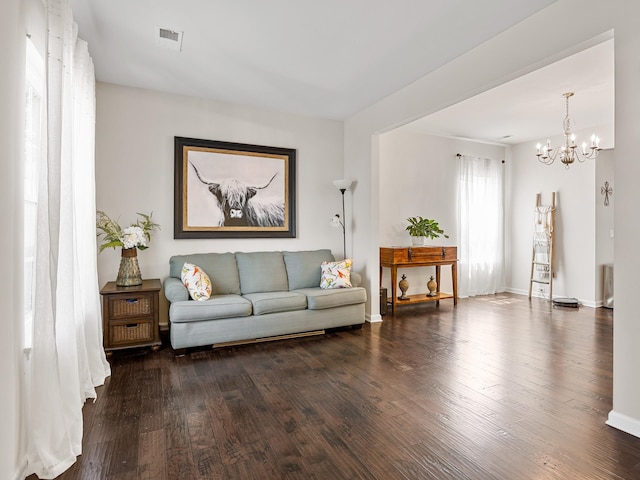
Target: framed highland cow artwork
[[233, 190]]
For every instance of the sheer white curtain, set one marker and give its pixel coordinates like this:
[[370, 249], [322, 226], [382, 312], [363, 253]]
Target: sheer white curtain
[[480, 226], [67, 359]]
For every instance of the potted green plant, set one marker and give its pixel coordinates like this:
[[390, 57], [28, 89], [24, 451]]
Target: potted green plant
[[422, 228]]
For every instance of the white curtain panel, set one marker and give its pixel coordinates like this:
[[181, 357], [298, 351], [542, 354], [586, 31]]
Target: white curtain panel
[[67, 360], [480, 226]]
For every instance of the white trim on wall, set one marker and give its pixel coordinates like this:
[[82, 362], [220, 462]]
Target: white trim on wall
[[624, 422]]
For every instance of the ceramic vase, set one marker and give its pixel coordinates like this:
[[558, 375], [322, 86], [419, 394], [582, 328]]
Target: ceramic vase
[[404, 286], [129, 272], [432, 286]]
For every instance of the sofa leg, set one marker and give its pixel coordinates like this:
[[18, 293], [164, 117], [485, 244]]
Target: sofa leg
[[180, 352], [357, 326]]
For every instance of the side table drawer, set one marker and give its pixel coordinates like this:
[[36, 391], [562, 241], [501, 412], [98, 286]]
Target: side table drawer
[[432, 254], [135, 306], [130, 315], [130, 333]]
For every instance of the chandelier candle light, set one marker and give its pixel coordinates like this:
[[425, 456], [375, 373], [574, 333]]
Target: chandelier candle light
[[569, 152]]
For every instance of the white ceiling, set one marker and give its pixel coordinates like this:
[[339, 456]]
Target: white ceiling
[[328, 58], [332, 58], [531, 108]]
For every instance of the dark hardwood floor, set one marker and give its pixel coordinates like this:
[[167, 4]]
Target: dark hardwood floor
[[496, 388]]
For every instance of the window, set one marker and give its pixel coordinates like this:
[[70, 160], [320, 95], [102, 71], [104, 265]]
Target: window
[[481, 226], [33, 158]]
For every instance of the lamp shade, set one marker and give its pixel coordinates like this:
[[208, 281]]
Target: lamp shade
[[342, 184]]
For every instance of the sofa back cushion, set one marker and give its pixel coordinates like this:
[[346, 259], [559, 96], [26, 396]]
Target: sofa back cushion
[[220, 267], [303, 268], [261, 272]]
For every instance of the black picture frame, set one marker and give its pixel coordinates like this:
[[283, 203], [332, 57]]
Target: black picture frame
[[233, 190]]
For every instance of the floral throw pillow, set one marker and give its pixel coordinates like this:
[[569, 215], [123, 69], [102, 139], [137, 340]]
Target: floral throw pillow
[[336, 274], [196, 281]]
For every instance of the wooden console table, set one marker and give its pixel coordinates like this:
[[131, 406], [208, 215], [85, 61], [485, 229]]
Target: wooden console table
[[408, 257]]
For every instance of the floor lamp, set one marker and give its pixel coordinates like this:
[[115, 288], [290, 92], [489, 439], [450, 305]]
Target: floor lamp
[[343, 186]]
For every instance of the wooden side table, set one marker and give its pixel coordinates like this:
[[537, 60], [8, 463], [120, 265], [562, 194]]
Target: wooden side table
[[408, 257], [131, 315]]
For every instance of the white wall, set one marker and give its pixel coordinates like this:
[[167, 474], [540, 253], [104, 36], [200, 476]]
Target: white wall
[[582, 242], [626, 357], [135, 131], [517, 51], [575, 219], [11, 79], [605, 231], [418, 177]]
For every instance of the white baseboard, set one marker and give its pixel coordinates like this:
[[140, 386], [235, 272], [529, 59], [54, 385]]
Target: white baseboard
[[520, 292], [583, 303], [624, 423], [526, 293], [373, 318]]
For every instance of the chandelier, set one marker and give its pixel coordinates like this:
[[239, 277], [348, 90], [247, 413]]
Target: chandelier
[[569, 152]]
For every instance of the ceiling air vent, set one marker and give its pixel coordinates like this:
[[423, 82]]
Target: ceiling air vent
[[168, 38]]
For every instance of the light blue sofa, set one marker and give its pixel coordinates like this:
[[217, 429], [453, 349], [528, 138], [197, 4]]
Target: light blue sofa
[[256, 295]]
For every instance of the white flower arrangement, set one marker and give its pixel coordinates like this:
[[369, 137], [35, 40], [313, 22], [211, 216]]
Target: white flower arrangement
[[135, 236]]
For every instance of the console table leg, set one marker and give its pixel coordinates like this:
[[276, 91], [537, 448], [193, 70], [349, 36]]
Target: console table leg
[[438, 283], [454, 282], [394, 279]]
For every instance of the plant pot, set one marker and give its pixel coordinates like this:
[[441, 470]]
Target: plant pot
[[418, 241], [129, 272]]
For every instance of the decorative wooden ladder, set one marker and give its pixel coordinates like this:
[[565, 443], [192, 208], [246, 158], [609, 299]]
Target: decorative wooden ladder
[[542, 252]]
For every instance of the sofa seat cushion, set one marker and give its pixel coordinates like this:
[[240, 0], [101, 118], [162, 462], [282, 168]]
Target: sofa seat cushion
[[218, 306], [319, 299], [276, 302]]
